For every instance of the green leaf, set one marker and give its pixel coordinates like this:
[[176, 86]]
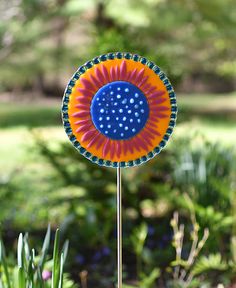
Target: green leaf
[[39, 283], [4, 263], [31, 269], [212, 262], [65, 250], [21, 278], [138, 238], [20, 251], [149, 280], [26, 247], [61, 270], [45, 248], [178, 262], [20, 259], [56, 263]]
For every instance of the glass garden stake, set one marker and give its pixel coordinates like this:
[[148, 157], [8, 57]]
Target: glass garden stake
[[119, 228], [119, 110]]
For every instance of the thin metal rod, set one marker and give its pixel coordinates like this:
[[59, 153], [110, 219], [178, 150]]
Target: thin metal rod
[[119, 228]]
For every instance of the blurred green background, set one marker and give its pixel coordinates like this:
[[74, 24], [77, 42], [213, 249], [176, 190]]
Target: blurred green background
[[44, 180]]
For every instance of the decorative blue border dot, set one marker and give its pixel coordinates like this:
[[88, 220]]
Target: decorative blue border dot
[[136, 57]]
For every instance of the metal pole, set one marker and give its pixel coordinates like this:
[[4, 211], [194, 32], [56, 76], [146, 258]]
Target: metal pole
[[119, 228]]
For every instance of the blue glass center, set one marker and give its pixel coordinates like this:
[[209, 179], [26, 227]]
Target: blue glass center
[[119, 110]]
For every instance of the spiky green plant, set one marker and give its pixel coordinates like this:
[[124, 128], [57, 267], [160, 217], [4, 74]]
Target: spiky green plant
[[35, 270]]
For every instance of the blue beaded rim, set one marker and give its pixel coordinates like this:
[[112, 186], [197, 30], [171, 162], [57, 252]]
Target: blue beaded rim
[[110, 56]]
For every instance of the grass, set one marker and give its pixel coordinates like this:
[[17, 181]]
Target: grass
[[208, 102], [209, 107], [29, 114], [17, 145], [213, 116]]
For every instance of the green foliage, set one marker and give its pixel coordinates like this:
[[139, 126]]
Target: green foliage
[[45, 180], [47, 34], [147, 281], [138, 238], [82, 196], [4, 265], [185, 272], [206, 173], [43, 42], [35, 270], [150, 280], [212, 262]]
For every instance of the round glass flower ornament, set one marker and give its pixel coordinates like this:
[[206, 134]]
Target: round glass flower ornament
[[119, 109]]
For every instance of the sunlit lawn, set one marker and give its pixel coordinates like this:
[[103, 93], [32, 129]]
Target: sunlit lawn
[[208, 102], [212, 116]]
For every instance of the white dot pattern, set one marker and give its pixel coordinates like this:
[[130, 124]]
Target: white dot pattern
[[122, 115]]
